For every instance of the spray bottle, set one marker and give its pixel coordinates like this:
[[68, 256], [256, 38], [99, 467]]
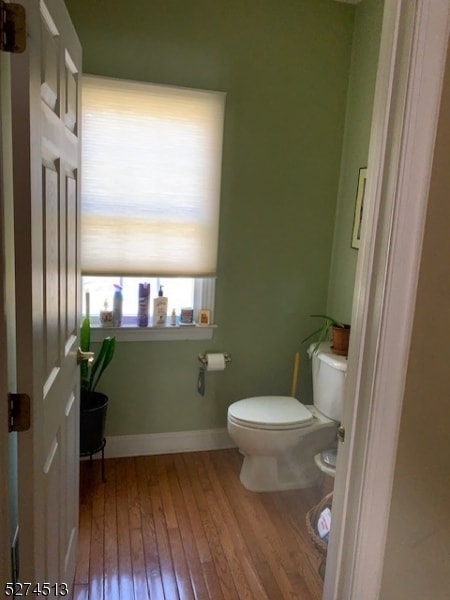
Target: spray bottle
[[117, 306], [144, 296]]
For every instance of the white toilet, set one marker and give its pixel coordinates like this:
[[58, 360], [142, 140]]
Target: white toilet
[[279, 436]]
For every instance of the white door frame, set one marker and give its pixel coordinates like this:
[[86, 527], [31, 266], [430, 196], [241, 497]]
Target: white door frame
[[407, 99]]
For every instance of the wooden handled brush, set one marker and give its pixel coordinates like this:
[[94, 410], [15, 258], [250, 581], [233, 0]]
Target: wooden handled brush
[[295, 374]]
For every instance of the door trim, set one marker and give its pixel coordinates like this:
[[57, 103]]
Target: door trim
[[407, 100], [5, 150]]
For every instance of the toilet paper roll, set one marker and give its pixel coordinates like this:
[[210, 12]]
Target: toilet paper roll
[[215, 362]]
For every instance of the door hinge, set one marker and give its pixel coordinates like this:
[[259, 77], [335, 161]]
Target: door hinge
[[13, 34], [19, 412], [341, 433]]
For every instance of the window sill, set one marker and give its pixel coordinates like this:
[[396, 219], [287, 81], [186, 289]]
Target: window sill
[[153, 334]]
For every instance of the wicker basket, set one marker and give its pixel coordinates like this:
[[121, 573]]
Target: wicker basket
[[312, 517]]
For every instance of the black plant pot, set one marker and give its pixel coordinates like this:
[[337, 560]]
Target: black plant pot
[[93, 407]]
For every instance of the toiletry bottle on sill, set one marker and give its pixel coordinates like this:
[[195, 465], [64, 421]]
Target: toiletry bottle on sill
[[106, 315], [160, 309], [144, 295], [117, 306]]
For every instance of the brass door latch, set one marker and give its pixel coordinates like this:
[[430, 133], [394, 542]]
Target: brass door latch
[[13, 30], [19, 412]]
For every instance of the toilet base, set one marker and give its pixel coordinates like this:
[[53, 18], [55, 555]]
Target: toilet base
[[282, 459], [271, 474]]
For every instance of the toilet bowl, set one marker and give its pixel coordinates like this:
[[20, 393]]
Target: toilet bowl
[[280, 437]]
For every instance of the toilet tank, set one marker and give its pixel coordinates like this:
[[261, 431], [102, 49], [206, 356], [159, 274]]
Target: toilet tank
[[328, 374]]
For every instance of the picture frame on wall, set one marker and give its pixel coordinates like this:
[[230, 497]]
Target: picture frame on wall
[[359, 205]]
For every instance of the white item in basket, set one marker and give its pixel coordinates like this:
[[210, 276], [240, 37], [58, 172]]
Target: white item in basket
[[324, 524]]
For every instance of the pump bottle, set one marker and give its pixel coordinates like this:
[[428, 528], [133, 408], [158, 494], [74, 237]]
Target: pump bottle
[[160, 309]]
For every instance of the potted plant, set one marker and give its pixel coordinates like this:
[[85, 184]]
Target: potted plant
[[331, 330], [93, 404]]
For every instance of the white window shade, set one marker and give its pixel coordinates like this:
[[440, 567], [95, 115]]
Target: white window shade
[[151, 160]]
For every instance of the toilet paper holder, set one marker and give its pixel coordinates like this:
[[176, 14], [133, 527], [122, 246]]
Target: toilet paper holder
[[203, 358]]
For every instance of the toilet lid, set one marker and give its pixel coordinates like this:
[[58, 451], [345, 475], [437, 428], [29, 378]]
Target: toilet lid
[[270, 412]]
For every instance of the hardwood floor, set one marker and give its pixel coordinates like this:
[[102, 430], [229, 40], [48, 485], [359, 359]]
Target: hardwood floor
[[181, 526]]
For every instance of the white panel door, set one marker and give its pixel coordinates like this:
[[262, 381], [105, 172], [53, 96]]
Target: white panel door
[[46, 154]]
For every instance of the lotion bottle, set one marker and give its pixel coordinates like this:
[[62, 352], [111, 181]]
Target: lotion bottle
[[160, 309]]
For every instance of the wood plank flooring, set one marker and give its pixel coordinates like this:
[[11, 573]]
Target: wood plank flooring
[[182, 527]]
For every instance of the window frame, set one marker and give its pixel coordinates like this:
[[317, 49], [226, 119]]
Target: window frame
[[204, 281]]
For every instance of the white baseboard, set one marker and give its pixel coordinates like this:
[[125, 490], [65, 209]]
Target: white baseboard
[[118, 446]]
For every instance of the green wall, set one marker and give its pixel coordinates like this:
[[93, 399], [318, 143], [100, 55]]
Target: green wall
[[366, 42], [285, 67]]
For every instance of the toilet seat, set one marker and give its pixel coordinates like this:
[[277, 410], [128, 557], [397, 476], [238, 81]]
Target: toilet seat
[[270, 413]]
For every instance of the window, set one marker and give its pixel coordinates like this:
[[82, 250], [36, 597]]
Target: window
[[182, 292], [151, 158], [179, 291]]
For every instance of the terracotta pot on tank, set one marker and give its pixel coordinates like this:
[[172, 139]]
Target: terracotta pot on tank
[[340, 339]]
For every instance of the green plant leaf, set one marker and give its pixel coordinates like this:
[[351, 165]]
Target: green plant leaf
[[85, 343], [85, 335], [331, 320], [105, 356], [311, 335]]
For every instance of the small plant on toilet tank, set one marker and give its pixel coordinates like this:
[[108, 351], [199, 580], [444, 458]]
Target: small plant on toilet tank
[[332, 331]]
